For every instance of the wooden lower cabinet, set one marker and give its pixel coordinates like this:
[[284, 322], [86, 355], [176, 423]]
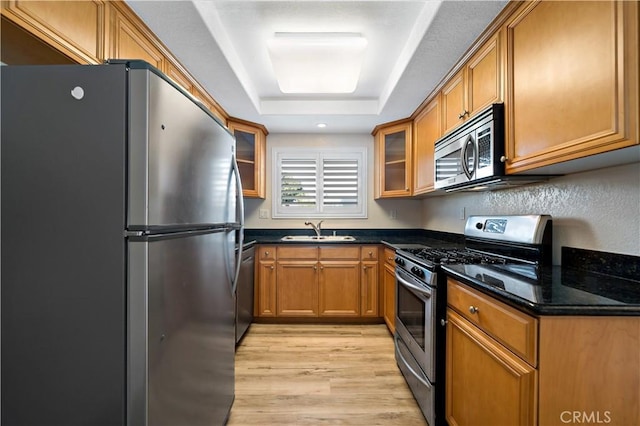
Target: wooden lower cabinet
[[586, 369], [486, 384], [305, 281], [389, 289]]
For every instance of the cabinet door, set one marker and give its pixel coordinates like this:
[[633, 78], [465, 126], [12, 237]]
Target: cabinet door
[[74, 27], [250, 154], [339, 288], [266, 289], [486, 384], [427, 128], [127, 41], [369, 289], [179, 77], [454, 102], [389, 295], [297, 292], [484, 76], [573, 81], [393, 151]]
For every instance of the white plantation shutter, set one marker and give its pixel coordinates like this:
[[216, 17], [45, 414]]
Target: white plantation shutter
[[340, 182], [323, 183]]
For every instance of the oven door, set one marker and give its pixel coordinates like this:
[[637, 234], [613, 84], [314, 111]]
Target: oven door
[[416, 320]]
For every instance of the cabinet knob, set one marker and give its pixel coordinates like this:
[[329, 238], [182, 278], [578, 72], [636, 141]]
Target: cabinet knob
[[271, 267], [370, 254], [321, 267], [364, 268], [315, 268], [473, 309], [266, 253], [503, 159], [443, 322]]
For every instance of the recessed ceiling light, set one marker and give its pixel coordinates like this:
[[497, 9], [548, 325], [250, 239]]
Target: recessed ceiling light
[[317, 62], [322, 125]]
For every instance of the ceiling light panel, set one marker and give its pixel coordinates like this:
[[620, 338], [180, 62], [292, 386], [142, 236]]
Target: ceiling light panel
[[317, 62]]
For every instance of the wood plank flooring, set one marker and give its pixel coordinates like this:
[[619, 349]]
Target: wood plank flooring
[[320, 374]]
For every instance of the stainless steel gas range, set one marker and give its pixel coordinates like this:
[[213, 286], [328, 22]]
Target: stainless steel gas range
[[421, 294]]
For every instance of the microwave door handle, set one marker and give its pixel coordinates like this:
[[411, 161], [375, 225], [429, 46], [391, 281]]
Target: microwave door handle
[[469, 143]]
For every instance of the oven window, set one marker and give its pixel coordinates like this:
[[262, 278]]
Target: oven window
[[411, 312]]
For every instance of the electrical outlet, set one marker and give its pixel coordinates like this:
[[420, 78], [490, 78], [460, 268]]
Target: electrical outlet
[[462, 213], [393, 214], [264, 214]]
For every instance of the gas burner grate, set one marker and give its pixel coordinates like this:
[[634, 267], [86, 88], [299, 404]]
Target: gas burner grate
[[455, 256]]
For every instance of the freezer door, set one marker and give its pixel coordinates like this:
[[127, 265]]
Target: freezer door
[[180, 158], [181, 330]]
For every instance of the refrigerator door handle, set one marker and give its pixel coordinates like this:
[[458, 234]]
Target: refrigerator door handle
[[240, 220]]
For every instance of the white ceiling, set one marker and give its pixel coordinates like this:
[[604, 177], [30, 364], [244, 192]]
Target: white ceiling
[[411, 46]]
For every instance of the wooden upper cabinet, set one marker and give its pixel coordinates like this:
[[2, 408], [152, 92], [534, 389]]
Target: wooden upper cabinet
[[250, 155], [572, 81], [393, 159], [75, 28], [427, 129], [478, 84], [179, 76], [126, 40]]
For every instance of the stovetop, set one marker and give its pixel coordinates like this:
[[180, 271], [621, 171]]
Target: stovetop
[[429, 256]]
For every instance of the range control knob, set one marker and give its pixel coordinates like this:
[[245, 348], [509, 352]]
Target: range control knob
[[479, 225], [417, 271], [400, 261]]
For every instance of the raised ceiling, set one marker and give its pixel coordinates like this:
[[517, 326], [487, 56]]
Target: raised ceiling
[[411, 45]]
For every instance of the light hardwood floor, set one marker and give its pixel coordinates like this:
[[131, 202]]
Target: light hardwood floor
[[320, 374]]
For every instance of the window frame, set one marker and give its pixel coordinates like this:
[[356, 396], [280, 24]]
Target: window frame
[[357, 211]]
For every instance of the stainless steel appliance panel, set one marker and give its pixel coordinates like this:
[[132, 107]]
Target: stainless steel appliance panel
[[418, 382], [181, 159], [63, 274], [244, 293], [416, 319], [182, 330]]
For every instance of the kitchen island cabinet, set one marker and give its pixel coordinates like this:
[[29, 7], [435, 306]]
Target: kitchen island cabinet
[[572, 81]]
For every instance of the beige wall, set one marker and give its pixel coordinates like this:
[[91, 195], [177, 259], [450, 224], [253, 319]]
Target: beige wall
[[597, 210], [408, 212]]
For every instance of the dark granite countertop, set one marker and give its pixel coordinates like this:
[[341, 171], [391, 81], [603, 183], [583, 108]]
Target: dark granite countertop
[[560, 290], [588, 283]]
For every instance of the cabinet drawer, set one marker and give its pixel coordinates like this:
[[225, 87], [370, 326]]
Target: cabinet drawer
[[514, 329], [339, 252], [390, 257], [298, 252], [266, 253], [369, 253]]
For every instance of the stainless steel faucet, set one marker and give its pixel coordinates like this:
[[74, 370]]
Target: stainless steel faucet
[[316, 228]]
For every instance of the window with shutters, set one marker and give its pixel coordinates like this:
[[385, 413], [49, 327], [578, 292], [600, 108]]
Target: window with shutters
[[320, 183]]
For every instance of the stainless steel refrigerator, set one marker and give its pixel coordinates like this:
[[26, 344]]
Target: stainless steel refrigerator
[[121, 206]]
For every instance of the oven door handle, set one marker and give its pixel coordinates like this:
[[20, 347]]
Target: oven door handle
[[412, 286], [414, 372]]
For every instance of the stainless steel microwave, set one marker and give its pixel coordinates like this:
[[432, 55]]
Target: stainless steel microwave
[[473, 153]]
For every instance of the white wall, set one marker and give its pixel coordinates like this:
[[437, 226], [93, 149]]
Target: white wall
[[409, 212], [597, 210]]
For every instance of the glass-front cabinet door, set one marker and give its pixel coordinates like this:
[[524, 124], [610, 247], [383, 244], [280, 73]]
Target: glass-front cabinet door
[[250, 155], [393, 159]]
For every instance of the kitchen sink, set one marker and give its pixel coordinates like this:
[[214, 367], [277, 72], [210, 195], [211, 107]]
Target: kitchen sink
[[322, 238]]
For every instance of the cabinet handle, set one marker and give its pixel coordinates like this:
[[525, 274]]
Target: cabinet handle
[[473, 309], [389, 259], [463, 114]]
